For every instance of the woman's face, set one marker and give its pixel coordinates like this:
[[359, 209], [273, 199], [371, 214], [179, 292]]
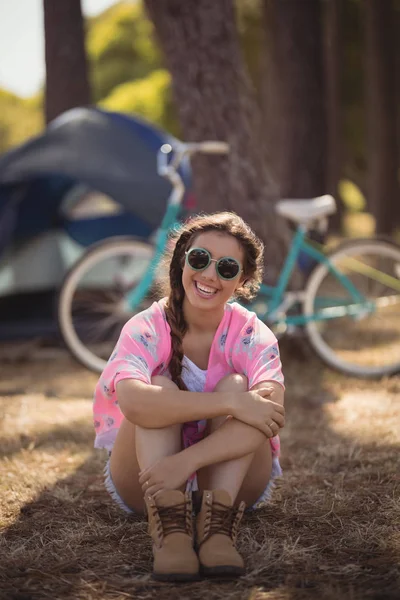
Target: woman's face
[[205, 289]]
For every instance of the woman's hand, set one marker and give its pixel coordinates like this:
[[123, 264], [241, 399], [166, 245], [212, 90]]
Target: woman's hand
[[169, 473], [257, 409]]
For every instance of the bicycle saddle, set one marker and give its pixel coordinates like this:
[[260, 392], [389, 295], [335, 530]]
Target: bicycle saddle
[[304, 211]]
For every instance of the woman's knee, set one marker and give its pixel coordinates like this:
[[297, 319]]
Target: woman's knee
[[231, 383], [235, 382], [164, 382]]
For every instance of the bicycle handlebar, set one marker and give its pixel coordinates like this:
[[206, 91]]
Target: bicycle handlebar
[[169, 169], [208, 147], [181, 150]]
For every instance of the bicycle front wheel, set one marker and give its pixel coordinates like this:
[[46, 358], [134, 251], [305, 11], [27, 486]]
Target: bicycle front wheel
[[93, 300], [353, 310]]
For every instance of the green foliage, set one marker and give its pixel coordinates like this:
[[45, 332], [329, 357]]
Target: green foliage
[[149, 97], [126, 66], [120, 47], [126, 72], [353, 198], [19, 120]]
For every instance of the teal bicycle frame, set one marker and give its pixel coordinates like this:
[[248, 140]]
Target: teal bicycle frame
[[169, 222], [327, 308], [355, 305]]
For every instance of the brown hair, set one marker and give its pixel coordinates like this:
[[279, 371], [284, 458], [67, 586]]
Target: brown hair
[[223, 222]]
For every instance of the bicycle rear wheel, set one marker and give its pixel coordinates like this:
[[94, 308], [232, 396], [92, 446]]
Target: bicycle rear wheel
[[92, 303], [361, 337]]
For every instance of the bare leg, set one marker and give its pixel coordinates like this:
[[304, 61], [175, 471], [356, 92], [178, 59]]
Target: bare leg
[[137, 448], [245, 477]]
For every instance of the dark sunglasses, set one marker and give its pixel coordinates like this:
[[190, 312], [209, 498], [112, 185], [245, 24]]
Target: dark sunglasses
[[199, 259]]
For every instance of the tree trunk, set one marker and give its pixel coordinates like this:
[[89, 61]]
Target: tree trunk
[[383, 186], [67, 84], [215, 101], [299, 52], [270, 97], [397, 84], [333, 61]]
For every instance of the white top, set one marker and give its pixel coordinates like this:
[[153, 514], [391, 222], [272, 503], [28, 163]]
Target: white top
[[193, 377]]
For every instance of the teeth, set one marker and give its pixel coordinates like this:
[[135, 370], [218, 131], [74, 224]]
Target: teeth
[[204, 289]]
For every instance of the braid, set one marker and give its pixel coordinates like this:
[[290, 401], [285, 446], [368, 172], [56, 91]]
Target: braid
[[174, 313]]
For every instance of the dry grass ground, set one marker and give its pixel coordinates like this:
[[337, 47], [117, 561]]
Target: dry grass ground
[[331, 531]]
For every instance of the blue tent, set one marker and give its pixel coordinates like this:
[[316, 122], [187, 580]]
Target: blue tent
[[109, 152]]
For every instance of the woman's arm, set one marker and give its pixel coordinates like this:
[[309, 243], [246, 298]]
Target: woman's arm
[[153, 406]]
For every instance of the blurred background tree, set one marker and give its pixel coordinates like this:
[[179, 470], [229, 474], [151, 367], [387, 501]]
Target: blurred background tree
[[67, 80], [295, 31], [215, 100], [346, 101], [380, 93], [332, 18]]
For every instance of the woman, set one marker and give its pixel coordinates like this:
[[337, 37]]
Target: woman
[[191, 400]]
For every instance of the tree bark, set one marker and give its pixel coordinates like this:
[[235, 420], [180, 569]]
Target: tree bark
[[396, 22], [270, 97], [383, 186], [215, 101], [302, 125], [67, 84], [333, 61]]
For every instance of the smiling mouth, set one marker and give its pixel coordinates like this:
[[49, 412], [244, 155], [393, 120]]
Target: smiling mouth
[[204, 291]]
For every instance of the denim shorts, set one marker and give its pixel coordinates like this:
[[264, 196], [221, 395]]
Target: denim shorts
[[265, 496]]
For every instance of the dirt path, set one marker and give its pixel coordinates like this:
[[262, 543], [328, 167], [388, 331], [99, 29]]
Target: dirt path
[[332, 530]]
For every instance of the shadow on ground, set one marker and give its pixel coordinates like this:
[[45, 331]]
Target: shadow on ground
[[329, 532]]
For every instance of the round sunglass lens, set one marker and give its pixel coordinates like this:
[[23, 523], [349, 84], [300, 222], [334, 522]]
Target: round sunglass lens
[[228, 268], [198, 259]]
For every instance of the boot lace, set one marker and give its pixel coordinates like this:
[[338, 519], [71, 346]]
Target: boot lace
[[174, 519], [225, 520]]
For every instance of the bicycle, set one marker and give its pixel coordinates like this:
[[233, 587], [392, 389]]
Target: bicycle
[[347, 308]]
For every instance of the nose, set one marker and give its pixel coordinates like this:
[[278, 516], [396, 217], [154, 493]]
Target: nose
[[211, 271]]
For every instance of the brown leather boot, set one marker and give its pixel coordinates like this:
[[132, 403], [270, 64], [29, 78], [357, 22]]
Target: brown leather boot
[[217, 527], [170, 526]]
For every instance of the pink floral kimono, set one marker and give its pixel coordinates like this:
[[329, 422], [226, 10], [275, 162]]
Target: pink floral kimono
[[242, 344]]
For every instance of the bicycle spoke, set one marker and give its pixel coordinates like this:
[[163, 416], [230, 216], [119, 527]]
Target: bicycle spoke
[[362, 337], [97, 297]]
